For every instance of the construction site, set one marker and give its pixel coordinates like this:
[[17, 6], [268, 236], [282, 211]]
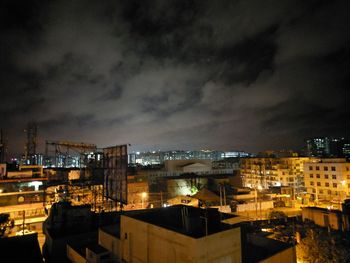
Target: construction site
[[76, 172]]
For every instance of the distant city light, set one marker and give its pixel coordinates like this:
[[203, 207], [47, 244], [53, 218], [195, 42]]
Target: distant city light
[[36, 184]]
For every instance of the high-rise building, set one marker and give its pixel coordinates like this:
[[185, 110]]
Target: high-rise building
[[328, 147]]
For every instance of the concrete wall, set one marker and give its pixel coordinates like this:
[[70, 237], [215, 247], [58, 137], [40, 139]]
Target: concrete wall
[[176, 165], [223, 247], [111, 243], [143, 242], [319, 217], [286, 256], [252, 206], [74, 256], [179, 186]]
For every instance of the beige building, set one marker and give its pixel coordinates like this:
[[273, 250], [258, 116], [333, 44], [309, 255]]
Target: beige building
[[328, 179], [179, 234], [334, 219], [262, 173]]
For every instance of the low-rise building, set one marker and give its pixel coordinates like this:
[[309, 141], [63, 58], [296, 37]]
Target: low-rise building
[[172, 234]]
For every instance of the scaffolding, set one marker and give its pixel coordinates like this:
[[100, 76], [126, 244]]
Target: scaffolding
[[64, 151]]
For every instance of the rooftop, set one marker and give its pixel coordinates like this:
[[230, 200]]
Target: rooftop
[[20, 249], [263, 248], [186, 220]]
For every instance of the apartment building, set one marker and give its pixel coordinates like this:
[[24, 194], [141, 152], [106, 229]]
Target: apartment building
[[328, 179], [263, 173]]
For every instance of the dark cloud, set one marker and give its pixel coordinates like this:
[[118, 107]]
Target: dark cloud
[[246, 75]]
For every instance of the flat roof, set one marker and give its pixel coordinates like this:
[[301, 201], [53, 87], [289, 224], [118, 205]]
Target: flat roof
[[96, 248], [186, 220], [259, 248]]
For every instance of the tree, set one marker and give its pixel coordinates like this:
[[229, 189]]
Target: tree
[[5, 224], [277, 215], [321, 247]]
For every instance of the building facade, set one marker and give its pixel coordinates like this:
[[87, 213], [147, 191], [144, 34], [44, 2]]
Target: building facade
[[328, 179], [262, 173], [328, 147]]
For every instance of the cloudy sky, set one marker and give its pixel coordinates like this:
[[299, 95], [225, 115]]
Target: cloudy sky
[[177, 74]]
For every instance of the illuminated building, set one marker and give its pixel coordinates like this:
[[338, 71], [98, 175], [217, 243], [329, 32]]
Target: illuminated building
[[327, 179], [328, 147], [267, 172], [159, 157]]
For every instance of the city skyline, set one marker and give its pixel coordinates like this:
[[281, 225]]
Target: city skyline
[[229, 75]]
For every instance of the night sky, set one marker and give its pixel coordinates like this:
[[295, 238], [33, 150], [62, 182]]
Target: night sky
[[180, 74]]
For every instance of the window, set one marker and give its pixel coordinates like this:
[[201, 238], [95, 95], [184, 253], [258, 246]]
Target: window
[[318, 176], [310, 168], [311, 183], [333, 168], [317, 168], [335, 185], [320, 191], [311, 176], [329, 192], [326, 184], [318, 184], [326, 176], [313, 190], [325, 168], [348, 185], [334, 177], [348, 177], [347, 168]]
